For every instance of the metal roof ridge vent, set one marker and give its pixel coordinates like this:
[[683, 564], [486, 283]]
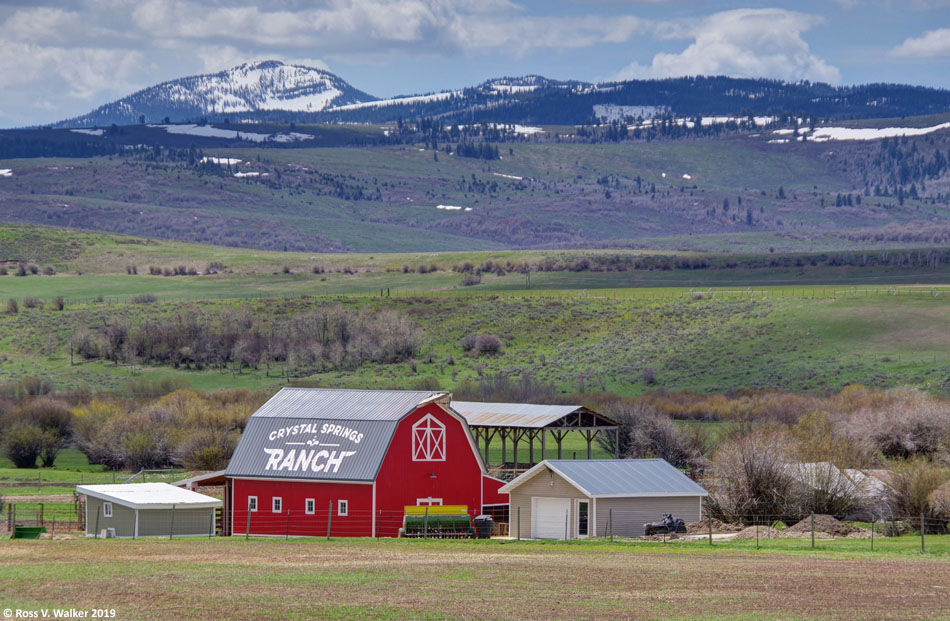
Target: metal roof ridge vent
[[440, 398]]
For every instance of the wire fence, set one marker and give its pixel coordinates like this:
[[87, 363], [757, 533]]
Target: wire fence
[[616, 524], [55, 520], [10, 486], [648, 291]]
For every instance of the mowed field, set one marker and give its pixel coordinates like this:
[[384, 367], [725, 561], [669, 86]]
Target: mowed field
[[362, 578]]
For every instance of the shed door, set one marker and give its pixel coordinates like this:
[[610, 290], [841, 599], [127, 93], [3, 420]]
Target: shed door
[[548, 517]]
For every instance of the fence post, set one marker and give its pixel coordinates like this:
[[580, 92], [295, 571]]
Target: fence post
[[425, 524], [922, 529], [610, 519], [567, 512], [287, 534], [872, 534], [53, 534], [812, 530], [98, 511], [247, 529], [709, 522], [329, 520], [171, 527], [756, 519], [519, 523]]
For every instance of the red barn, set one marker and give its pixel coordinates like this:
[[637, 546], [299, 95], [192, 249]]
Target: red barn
[[314, 461]]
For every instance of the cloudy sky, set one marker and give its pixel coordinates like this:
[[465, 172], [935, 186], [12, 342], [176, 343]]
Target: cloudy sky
[[61, 58]]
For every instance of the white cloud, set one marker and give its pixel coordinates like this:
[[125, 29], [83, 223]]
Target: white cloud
[[380, 26], [931, 43], [741, 43]]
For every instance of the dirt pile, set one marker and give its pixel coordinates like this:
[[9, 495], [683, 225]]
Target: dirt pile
[[702, 527], [824, 524], [765, 532]]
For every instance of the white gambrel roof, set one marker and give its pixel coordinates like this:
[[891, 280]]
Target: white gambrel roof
[[149, 496]]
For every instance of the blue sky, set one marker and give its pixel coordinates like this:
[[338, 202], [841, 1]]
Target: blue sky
[[62, 58]]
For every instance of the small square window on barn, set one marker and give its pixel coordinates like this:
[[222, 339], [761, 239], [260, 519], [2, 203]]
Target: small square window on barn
[[107, 509], [276, 504], [252, 503], [311, 506], [343, 507]]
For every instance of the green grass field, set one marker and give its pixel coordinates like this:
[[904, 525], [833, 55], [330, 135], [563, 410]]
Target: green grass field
[[389, 579], [787, 338]]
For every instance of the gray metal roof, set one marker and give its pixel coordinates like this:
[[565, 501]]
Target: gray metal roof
[[618, 477], [480, 414], [323, 434], [343, 404]]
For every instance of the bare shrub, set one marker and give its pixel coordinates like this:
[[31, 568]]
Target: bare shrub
[[644, 432], [144, 298], [753, 478], [470, 280], [487, 344], [59, 302], [468, 342], [900, 423], [207, 449], [824, 489], [143, 450], [49, 270], [12, 306], [526, 388], [939, 501], [32, 303], [912, 483]]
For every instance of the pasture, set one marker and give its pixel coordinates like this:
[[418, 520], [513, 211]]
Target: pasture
[[784, 338], [267, 578]]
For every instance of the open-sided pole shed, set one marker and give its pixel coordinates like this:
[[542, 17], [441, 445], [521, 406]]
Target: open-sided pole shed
[[519, 422]]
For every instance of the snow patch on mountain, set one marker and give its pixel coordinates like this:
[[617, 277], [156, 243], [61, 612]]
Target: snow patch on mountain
[[398, 101]]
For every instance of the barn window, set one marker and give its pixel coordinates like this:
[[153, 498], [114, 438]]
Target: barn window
[[107, 509], [275, 504], [310, 506], [428, 440], [252, 503], [343, 507]]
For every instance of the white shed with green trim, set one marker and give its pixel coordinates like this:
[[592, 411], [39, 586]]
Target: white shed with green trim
[[569, 499], [147, 510]]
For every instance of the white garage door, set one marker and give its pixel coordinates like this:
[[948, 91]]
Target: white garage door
[[548, 517]]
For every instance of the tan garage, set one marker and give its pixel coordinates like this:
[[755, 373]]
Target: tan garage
[[569, 499]]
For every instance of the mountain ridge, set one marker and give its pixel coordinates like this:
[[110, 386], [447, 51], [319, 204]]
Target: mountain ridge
[[246, 88], [272, 91]]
